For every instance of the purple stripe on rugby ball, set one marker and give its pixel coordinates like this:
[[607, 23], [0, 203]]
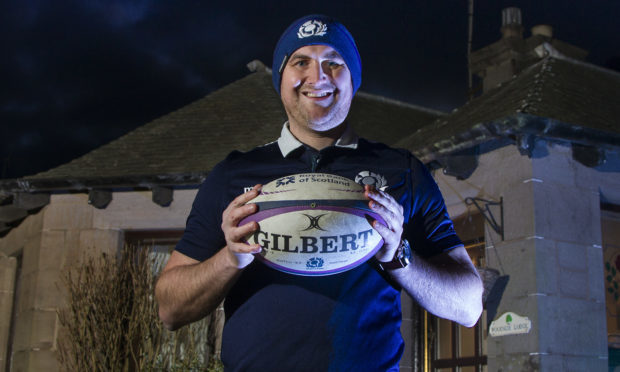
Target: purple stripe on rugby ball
[[321, 273]]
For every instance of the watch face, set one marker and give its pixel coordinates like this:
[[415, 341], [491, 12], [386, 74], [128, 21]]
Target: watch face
[[405, 252], [406, 249]]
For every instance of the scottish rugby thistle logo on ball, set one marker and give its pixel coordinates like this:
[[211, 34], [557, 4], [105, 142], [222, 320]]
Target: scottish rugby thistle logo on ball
[[314, 224]]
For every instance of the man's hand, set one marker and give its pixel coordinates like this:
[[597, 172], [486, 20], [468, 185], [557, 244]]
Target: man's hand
[[240, 253], [392, 213], [187, 289]]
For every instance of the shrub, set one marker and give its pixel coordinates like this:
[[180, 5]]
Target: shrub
[[111, 321]]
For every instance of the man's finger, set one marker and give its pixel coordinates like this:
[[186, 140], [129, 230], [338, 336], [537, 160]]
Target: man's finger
[[235, 215], [247, 196], [389, 236], [242, 254], [237, 234], [245, 248], [389, 217], [385, 199]]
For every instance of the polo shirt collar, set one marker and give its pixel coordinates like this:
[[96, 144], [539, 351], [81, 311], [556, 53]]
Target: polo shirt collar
[[288, 143]]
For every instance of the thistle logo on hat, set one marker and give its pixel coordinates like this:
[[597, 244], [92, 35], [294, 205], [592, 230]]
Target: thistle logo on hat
[[312, 30]]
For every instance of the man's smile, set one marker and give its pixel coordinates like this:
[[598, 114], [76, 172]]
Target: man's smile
[[317, 94]]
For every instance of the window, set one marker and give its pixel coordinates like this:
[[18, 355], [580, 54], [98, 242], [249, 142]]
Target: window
[[205, 334], [450, 347], [159, 243], [610, 229], [455, 348]]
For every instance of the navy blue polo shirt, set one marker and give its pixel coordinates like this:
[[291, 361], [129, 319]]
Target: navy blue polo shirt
[[348, 321]]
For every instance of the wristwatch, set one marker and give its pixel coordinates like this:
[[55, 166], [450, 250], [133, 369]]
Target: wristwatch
[[401, 259]]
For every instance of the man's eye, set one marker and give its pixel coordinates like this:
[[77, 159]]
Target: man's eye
[[301, 63], [333, 64]]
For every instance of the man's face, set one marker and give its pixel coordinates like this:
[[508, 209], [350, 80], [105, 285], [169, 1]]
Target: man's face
[[316, 88]]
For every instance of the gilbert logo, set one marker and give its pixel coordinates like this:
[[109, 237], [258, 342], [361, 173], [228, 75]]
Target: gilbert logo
[[314, 222], [312, 28]]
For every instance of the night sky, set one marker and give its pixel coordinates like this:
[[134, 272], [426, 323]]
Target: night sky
[[78, 74]]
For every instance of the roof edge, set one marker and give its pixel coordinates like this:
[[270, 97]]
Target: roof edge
[[379, 98], [548, 51], [517, 125], [88, 183]]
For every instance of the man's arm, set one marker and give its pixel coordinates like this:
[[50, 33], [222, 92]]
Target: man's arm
[[447, 285], [187, 290]]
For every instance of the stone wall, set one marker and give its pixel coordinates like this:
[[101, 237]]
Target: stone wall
[[551, 251], [17, 244], [570, 271], [8, 271], [57, 237]]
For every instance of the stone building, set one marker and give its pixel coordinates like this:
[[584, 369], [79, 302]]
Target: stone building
[[530, 171], [531, 168], [138, 187]]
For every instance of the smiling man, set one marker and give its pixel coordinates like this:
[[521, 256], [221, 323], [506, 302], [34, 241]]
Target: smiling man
[[344, 322], [316, 91]]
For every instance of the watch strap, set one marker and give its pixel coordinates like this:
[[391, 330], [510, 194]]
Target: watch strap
[[401, 258]]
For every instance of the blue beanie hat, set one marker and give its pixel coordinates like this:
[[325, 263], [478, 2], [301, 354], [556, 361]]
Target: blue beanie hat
[[311, 30]]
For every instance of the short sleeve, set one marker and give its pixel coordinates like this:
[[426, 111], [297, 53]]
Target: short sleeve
[[203, 236], [432, 231]]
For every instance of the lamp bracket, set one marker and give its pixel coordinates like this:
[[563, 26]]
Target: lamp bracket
[[483, 206]]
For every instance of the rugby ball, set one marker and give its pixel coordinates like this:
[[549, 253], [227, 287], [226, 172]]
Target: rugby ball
[[314, 224]]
